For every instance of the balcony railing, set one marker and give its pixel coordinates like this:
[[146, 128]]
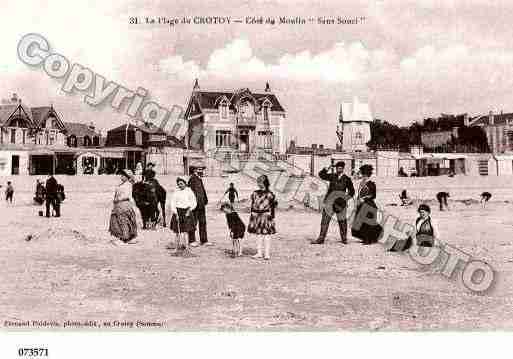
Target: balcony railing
[[246, 121]]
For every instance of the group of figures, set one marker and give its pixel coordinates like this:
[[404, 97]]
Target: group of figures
[[365, 225], [189, 200], [52, 194], [149, 197]]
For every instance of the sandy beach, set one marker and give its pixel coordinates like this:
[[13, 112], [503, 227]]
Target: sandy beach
[[68, 269]]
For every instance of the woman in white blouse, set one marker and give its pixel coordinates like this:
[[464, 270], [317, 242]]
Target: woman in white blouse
[[123, 222], [183, 202]]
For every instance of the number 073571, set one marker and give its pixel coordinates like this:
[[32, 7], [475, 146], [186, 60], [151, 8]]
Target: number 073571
[[33, 352]]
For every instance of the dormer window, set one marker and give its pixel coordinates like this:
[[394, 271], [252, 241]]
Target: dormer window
[[224, 111], [266, 105], [266, 114], [223, 108]]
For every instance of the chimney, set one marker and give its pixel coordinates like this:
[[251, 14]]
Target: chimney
[[321, 147], [491, 121], [14, 98], [267, 87], [314, 146], [91, 126]]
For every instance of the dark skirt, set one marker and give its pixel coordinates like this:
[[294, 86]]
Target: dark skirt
[[369, 231], [187, 223], [425, 240], [261, 223], [123, 222], [405, 244]]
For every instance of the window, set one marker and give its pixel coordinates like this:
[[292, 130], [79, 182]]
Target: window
[[96, 141], [72, 141], [266, 114], [358, 137], [52, 137], [13, 135], [223, 138], [87, 141], [483, 167], [224, 109], [247, 110], [265, 139], [138, 138], [24, 134]]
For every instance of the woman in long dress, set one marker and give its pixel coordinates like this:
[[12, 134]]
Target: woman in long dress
[[261, 219], [123, 221], [366, 229], [183, 202]]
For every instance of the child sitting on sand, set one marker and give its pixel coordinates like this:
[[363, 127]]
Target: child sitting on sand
[[405, 200], [236, 228]]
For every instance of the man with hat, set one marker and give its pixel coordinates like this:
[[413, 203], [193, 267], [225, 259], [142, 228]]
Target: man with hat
[[149, 172], [52, 199], [339, 191], [196, 185]]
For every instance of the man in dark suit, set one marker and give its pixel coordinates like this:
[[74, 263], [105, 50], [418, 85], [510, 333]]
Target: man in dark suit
[[52, 197], [196, 185], [340, 190], [149, 172]]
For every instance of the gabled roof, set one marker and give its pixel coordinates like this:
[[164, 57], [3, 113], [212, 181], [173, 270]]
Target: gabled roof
[[41, 114], [80, 130], [498, 119], [123, 128], [210, 99], [148, 128], [10, 111]]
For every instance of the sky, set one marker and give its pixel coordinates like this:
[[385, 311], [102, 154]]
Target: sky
[[407, 59]]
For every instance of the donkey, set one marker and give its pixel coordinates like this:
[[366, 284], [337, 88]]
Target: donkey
[[146, 200]]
